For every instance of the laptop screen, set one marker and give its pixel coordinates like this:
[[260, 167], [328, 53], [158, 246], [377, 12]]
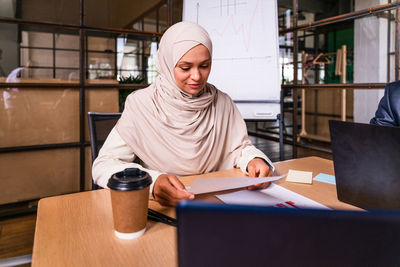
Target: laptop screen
[[232, 235], [367, 164]]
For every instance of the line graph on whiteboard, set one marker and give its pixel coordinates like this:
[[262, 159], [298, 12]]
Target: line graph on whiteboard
[[245, 43], [234, 26]]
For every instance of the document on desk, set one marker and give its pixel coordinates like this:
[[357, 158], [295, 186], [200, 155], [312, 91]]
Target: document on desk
[[207, 185], [273, 196]]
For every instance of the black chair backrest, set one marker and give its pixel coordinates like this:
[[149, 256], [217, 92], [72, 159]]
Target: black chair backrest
[[100, 125]]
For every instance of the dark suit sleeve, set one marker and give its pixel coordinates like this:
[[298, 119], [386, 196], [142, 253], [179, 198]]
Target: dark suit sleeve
[[388, 110]]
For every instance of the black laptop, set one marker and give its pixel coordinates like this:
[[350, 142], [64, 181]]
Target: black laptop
[[367, 164], [231, 235]]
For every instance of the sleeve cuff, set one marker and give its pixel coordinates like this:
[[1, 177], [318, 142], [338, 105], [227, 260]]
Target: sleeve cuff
[[249, 153], [154, 175]]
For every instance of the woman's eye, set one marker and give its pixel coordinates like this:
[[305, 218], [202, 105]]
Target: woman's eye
[[185, 68], [204, 66]]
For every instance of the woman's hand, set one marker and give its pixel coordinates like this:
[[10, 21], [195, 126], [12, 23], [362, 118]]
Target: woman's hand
[[258, 168], [168, 190]]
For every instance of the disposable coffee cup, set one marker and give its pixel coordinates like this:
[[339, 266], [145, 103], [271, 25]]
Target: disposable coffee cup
[[129, 200]]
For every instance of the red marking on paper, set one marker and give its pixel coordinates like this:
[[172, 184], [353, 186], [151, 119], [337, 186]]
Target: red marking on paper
[[291, 203]]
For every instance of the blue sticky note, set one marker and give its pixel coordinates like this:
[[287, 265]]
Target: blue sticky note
[[325, 178]]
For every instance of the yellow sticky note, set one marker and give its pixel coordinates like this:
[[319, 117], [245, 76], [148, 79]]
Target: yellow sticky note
[[299, 177]]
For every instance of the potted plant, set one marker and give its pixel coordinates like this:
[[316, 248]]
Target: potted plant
[[123, 93]]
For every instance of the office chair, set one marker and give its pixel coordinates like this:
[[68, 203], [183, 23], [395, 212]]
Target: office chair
[[100, 125]]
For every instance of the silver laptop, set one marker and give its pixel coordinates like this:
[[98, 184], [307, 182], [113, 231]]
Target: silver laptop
[[367, 164]]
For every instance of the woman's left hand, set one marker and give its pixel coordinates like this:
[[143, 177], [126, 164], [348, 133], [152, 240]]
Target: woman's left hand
[[258, 168]]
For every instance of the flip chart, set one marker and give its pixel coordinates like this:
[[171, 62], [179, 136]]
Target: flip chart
[[245, 60]]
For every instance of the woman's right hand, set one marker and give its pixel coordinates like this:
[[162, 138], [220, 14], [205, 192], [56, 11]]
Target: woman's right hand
[[168, 190]]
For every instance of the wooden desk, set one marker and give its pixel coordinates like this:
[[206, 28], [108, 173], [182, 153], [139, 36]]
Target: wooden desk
[[77, 229]]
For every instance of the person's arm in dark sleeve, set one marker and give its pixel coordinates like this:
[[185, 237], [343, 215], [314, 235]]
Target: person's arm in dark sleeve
[[388, 110]]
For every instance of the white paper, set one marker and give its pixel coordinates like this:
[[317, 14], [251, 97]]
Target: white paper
[[207, 185], [274, 196]]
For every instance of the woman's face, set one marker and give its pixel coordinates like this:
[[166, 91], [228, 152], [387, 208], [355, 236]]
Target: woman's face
[[192, 70]]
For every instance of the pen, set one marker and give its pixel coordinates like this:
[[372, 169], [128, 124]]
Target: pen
[[159, 217]]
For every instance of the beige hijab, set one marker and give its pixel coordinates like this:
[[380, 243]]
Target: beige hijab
[[177, 133]]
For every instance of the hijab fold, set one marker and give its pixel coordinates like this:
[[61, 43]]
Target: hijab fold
[[174, 132]]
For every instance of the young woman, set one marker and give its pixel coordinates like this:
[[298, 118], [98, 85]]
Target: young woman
[[180, 125]]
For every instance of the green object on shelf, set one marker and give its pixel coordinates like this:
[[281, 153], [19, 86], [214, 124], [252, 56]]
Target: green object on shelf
[[123, 93], [132, 79], [335, 41]]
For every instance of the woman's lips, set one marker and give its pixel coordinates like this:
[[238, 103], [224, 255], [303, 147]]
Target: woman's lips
[[194, 85]]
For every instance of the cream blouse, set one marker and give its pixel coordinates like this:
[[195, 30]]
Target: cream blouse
[[115, 155]]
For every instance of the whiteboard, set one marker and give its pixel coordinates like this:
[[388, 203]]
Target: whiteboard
[[245, 61]]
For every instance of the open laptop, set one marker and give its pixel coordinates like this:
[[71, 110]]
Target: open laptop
[[367, 164], [212, 234]]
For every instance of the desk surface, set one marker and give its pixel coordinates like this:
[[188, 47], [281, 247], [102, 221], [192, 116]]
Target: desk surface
[[77, 229]]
